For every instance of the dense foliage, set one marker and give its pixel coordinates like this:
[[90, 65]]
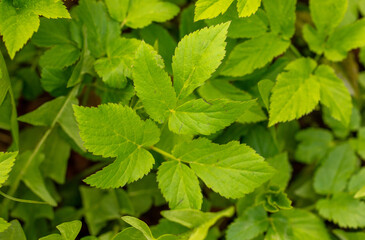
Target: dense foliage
[[171, 119]]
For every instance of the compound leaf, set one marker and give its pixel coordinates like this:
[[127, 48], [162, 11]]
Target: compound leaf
[[113, 130]]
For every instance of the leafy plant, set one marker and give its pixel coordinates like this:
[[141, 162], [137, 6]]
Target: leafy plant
[[177, 119]]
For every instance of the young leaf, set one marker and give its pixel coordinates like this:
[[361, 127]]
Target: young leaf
[[139, 225], [253, 54], [305, 225], [252, 223], [247, 7], [60, 56], [179, 185], [19, 21], [279, 228], [141, 13], [336, 169], [345, 39], [117, 9], [153, 85], [281, 14], [118, 64], [295, 93], [3, 225], [6, 163], [198, 221], [313, 144], [205, 50], [334, 94], [116, 131], [210, 8], [343, 210], [13, 232], [327, 14], [201, 117], [68, 230], [232, 169]]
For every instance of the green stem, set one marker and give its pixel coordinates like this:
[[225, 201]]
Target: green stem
[[37, 149], [163, 153], [20, 200], [295, 51], [13, 118]]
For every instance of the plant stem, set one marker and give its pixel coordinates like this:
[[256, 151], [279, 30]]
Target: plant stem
[[13, 118], [36, 151], [295, 51], [20, 200], [163, 153]]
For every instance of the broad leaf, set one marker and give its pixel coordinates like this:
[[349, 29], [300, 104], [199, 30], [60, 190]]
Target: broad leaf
[[253, 54], [153, 85], [336, 169], [210, 8], [201, 117], [295, 93], [7, 160], [232, 169], [247, 7], [205, 50], [116, 131], [343, 210], [179, 185]]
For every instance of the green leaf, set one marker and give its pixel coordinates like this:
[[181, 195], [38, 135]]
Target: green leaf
[[334, 94], [357, 181], [342, 235], [247, 7], [222, 88], [284, 170], [248, 27], [281, 14], [118, 64], [3, 225], [201, 117], [179, 185], [232, 169], [47, 37], [295, 93], [343, 209], [117, 9], [18, 22], [205, 50], [265, 86], [253, 54], [130, 233], [141, 13], [139, 225], [327, 14], [336, 169], [313, 144], [305, 225], [14, 232], [116, 131], [279, 228], [60, 56], [274, 199], [345, 39], [252, 223], [68, 230], [153, 85], [100, 207], [198, 221], [7, 160], [99, 28], [206, 9]]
